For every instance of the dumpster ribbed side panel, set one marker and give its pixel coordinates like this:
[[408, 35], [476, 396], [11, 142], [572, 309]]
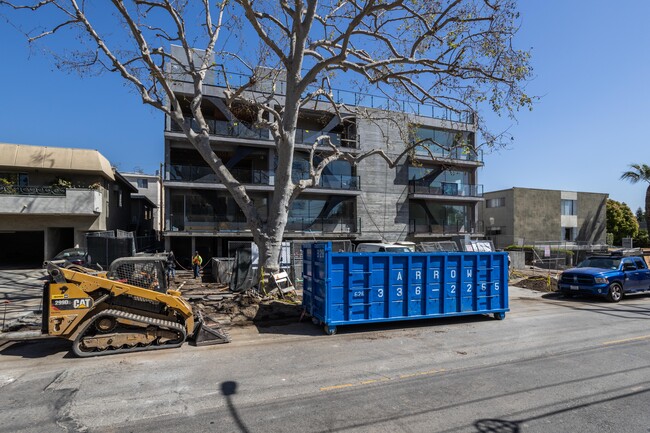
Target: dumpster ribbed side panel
[[347, 288]]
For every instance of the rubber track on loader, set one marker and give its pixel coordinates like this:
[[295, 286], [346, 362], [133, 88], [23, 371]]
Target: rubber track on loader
[[76, 344]]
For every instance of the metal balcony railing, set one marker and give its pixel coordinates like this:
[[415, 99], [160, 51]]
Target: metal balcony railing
[[32, 190], [445, 188]]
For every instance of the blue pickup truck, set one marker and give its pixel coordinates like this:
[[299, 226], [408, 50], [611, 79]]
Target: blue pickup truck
[[611, 276]]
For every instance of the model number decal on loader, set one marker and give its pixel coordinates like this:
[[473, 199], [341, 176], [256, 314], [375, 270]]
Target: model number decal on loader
[[72, 303]]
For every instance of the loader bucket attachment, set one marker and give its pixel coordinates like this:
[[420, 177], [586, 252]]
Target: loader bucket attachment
[[206, 335]]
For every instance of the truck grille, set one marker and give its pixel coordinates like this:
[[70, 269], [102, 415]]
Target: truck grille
[[577, 279]]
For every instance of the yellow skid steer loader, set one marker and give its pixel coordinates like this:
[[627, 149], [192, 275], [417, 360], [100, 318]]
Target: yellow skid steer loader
[[125, 309]]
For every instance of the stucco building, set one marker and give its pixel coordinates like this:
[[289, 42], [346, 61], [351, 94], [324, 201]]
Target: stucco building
[[51, 197], [147, 206], [527, 215]]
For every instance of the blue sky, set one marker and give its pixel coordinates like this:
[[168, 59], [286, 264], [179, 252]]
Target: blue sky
[[591, 63], [592, 66]]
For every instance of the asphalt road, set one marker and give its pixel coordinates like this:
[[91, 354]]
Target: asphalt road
[[552, 365]]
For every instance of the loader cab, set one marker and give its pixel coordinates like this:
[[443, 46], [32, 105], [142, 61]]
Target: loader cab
[[381, 248], [147, 272]]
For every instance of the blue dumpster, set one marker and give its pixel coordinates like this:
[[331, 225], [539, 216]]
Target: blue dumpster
[[348, 288]]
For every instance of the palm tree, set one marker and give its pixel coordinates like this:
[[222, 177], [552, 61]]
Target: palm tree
[[641, 173]]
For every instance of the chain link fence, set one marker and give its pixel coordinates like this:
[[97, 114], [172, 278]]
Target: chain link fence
[[545, 254]]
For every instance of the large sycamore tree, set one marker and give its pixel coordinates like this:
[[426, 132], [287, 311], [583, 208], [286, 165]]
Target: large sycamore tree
[[456, 54]]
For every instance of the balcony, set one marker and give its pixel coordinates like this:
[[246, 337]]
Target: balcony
[[224, 128], [49, 200], [235, 224], [332, 181], [445, 189], [426, 227], [351, 98], [457, 154], [211, 223], [324, 225], [190, 173]]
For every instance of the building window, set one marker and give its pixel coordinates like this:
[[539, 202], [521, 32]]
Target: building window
[[118, 198], [495, 202], [143, 183], [569, 233], [569, 207], [445, 143], [438, 218]]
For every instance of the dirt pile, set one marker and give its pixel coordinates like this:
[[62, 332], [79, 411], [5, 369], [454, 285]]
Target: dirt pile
[[539, 283], [217, 302]]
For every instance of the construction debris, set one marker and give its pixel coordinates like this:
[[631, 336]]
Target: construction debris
[[216, 302]]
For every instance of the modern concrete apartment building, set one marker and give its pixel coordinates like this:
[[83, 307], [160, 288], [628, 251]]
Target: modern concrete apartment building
[[528, 215], [431, 196], [51, 197]]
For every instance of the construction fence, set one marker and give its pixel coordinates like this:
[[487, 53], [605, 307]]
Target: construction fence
[[545, 254]]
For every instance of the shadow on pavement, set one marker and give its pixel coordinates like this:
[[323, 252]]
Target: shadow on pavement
[[228, 389], [35, 348], [307, 328], [593, 299]]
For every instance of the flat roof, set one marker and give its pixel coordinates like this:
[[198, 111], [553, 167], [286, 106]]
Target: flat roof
[[28, 157]]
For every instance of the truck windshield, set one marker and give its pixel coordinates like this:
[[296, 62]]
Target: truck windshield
[[600, 262], [397, 250]]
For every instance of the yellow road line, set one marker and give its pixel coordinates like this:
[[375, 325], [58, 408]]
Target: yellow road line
[[330, 388], [371, 381], [627, 340]]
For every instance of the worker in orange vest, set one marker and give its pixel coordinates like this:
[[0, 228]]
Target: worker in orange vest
[[197, 260]]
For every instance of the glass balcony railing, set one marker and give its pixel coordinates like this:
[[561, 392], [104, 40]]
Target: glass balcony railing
[[239, 130], [332, 181], [357, 99], [308, 136], [445, 188], [212, 222], [234, 223], [424, 226], [224, 128], [189, 173], [459, 154], [324, 225]]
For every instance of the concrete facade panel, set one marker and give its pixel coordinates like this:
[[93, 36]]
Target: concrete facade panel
[[74, 202]]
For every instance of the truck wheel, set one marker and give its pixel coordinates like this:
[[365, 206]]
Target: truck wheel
[[615, 292]]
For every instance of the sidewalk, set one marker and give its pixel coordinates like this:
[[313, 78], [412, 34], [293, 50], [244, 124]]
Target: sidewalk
[[21, 293]]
